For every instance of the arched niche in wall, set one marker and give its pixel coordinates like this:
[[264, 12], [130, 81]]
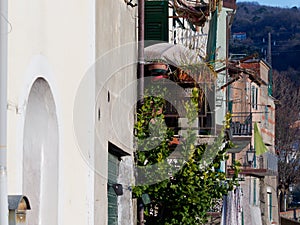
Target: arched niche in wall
[[40, 152]]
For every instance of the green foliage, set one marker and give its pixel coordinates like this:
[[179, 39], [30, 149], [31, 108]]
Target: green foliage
[[187, 195]]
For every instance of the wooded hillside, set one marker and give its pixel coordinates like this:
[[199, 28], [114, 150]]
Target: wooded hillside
[[283, 24]]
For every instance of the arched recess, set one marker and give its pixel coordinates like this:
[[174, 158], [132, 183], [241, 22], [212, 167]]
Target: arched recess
[[40, 152]]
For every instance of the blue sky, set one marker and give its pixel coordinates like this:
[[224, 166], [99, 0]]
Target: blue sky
[[280, 3]]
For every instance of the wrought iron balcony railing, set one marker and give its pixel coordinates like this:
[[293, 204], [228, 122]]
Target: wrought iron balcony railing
[[191, 39], [203, 125], [269, 162], [241, 124]]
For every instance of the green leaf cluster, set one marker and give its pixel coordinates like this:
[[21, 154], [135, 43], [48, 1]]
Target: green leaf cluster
[[187, 195]]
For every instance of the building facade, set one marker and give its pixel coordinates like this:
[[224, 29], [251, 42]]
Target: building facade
[[253, 130], [65, 70], [72, 94]]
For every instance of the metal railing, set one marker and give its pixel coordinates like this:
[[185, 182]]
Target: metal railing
[[241, 124], [269, 161], [202, 125], [190, 39]]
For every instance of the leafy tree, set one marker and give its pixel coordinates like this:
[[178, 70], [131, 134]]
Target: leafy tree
[[185, 196]]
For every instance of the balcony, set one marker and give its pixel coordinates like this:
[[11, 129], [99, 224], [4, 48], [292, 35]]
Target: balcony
[[203, 126], [241, 124], [190, 38], [240, 131], [265, 165], [269, 162]]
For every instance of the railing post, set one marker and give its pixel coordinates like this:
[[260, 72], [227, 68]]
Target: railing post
[[250, 123]]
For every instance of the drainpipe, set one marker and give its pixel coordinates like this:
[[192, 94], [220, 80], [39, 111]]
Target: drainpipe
[[140, 76], [3, 113], [141, 45]]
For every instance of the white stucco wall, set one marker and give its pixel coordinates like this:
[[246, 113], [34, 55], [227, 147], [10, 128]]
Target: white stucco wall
[[64, 43], [51, 40], [40, 155], [115, 68]]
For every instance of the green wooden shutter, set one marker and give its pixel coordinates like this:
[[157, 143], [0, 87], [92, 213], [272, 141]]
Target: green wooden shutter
[[212, 38], [243, 223], [256, 98], [253, 96], [156, 20], [113, 173], [254, 191], [270, 206]]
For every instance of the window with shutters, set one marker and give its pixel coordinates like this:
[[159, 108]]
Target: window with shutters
[[115, 155], [254, 95], [113, 173], [266, 122], [156, 20]]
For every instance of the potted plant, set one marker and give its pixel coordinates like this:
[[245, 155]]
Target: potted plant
[[158, 67]]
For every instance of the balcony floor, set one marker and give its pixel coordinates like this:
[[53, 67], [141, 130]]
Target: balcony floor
[[255, 172]]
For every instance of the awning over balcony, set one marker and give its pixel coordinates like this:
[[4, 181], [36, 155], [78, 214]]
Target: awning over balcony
[[181, 57], [175, 55]]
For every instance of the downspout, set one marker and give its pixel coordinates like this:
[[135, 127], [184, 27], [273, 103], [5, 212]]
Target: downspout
[[141, 45], [140, 77], [227, 63], [3, 114]]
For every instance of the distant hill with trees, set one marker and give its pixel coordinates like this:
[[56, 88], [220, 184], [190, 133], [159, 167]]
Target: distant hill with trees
[[284, 25]]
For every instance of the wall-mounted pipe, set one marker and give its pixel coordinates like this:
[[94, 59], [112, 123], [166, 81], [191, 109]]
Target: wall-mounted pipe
[[140, 74], [3, 113], [141, 45]]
